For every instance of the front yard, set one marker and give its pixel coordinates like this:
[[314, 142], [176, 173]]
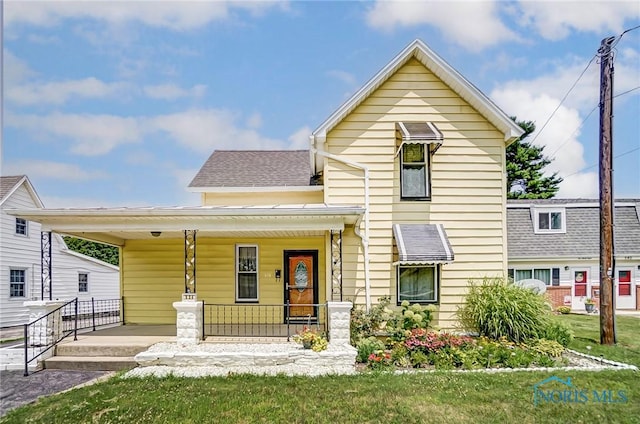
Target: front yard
[[366, 398]]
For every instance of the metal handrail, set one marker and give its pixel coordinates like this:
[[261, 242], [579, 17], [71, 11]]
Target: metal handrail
[[58, 334]]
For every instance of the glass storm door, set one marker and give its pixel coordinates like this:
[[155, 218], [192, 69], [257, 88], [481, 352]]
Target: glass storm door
[[301, 283]]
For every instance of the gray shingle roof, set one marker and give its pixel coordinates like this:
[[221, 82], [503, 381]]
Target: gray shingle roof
[[582, 237], [8, 183], [255, 168]]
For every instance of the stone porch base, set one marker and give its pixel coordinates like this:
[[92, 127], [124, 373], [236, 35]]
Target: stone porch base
[[225, 359]]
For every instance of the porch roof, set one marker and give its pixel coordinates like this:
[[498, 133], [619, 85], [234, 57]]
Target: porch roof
[[115, 225]]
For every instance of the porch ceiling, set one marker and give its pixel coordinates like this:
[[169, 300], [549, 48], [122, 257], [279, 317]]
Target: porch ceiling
[[116, 225]]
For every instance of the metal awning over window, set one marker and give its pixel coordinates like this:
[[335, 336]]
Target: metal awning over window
[[420, 244], [419, 133]]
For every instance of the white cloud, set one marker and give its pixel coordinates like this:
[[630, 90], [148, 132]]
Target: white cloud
[[299, 140], [15, 70], [555, 20], [559, 137], [172, 91], [174, 15], [204, 130], [77, 202], [472, 25], [254, 121], [60, 92], [51, 170], [90, 135]]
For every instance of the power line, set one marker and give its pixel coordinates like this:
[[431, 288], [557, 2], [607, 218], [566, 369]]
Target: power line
[[585, 120], [593, 166]]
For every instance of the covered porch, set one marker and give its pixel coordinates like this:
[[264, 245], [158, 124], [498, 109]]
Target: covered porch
[[257, 271]]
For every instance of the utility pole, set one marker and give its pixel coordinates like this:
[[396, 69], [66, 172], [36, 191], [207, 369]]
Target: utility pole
[[607, 326]]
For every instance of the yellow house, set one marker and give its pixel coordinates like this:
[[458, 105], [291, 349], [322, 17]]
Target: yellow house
[[401, 194]]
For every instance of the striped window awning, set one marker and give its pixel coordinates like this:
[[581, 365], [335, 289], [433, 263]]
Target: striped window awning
[[422, 244], [419, 133]]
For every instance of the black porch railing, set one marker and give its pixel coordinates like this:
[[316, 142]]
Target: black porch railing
[[46, 332], [253, 320]]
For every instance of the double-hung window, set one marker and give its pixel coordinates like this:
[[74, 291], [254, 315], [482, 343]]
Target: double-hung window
[[246, 273], [17, 283], [417, 283], [21, 227], [550, 276], [414, 172], [83, 282]]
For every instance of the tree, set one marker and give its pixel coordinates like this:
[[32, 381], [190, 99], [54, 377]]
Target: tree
[[525, 164], [95, 250]]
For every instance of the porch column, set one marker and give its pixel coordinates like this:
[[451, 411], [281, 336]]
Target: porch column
[[45, 266], [336, 265], [45, 331], [190, 261], [339, 323], [189, 320]]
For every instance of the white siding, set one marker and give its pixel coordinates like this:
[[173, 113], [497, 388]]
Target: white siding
[[23, 252]]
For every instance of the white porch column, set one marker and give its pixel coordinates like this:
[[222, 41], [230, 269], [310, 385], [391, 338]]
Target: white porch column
[[47, 330], [189, 320], [339, 323]]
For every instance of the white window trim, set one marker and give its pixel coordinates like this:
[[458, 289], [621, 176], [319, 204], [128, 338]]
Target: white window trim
[[26, 229], [536, 221], [257, 272], [427, 176], [436, 285], [26, 278], [87, 274]]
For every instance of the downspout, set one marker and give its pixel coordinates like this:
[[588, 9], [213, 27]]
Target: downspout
[[364, 237]]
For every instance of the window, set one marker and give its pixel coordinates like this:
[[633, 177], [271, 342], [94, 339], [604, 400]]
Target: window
[[548, 275], [418, 284], [17, 286], [246, 273], [549, 221], [83, 282], [414, 175], [21, 226]]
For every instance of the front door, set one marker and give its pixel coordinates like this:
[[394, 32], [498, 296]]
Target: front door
[[301, 283], [625, 293]]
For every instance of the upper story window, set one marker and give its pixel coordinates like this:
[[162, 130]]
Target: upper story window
[[21, 227], [550, 221], [417, 142], [414, 172]]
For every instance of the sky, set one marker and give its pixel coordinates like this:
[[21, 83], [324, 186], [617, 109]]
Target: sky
[[120, 103]]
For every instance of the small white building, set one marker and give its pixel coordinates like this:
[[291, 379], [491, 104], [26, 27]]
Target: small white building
[[558, 241], [72, 274]]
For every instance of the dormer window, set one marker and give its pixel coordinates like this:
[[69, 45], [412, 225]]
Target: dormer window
[[549, 221]]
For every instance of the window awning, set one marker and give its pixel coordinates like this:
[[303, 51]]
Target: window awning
[[420, 244], [419, 133]]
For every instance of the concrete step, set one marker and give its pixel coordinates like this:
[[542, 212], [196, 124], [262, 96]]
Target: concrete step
[[123, 350], [93, 363]]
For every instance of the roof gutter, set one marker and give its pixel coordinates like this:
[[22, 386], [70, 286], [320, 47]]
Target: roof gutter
[[364, 237]]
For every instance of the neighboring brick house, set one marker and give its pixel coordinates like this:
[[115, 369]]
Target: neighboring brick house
[[558, 241]]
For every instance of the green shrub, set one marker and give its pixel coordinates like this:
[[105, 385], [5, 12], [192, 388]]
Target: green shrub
[[368, 346], [563, 310], [558, 332], [547, 347], [418, 359], [497, 309], [365, 324], [407, 318]]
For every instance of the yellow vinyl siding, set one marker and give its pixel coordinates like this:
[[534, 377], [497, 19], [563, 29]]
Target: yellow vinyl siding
[[154, 276], [262, 198], [467, 184]]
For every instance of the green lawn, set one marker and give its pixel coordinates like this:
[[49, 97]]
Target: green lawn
[[366, 398]]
